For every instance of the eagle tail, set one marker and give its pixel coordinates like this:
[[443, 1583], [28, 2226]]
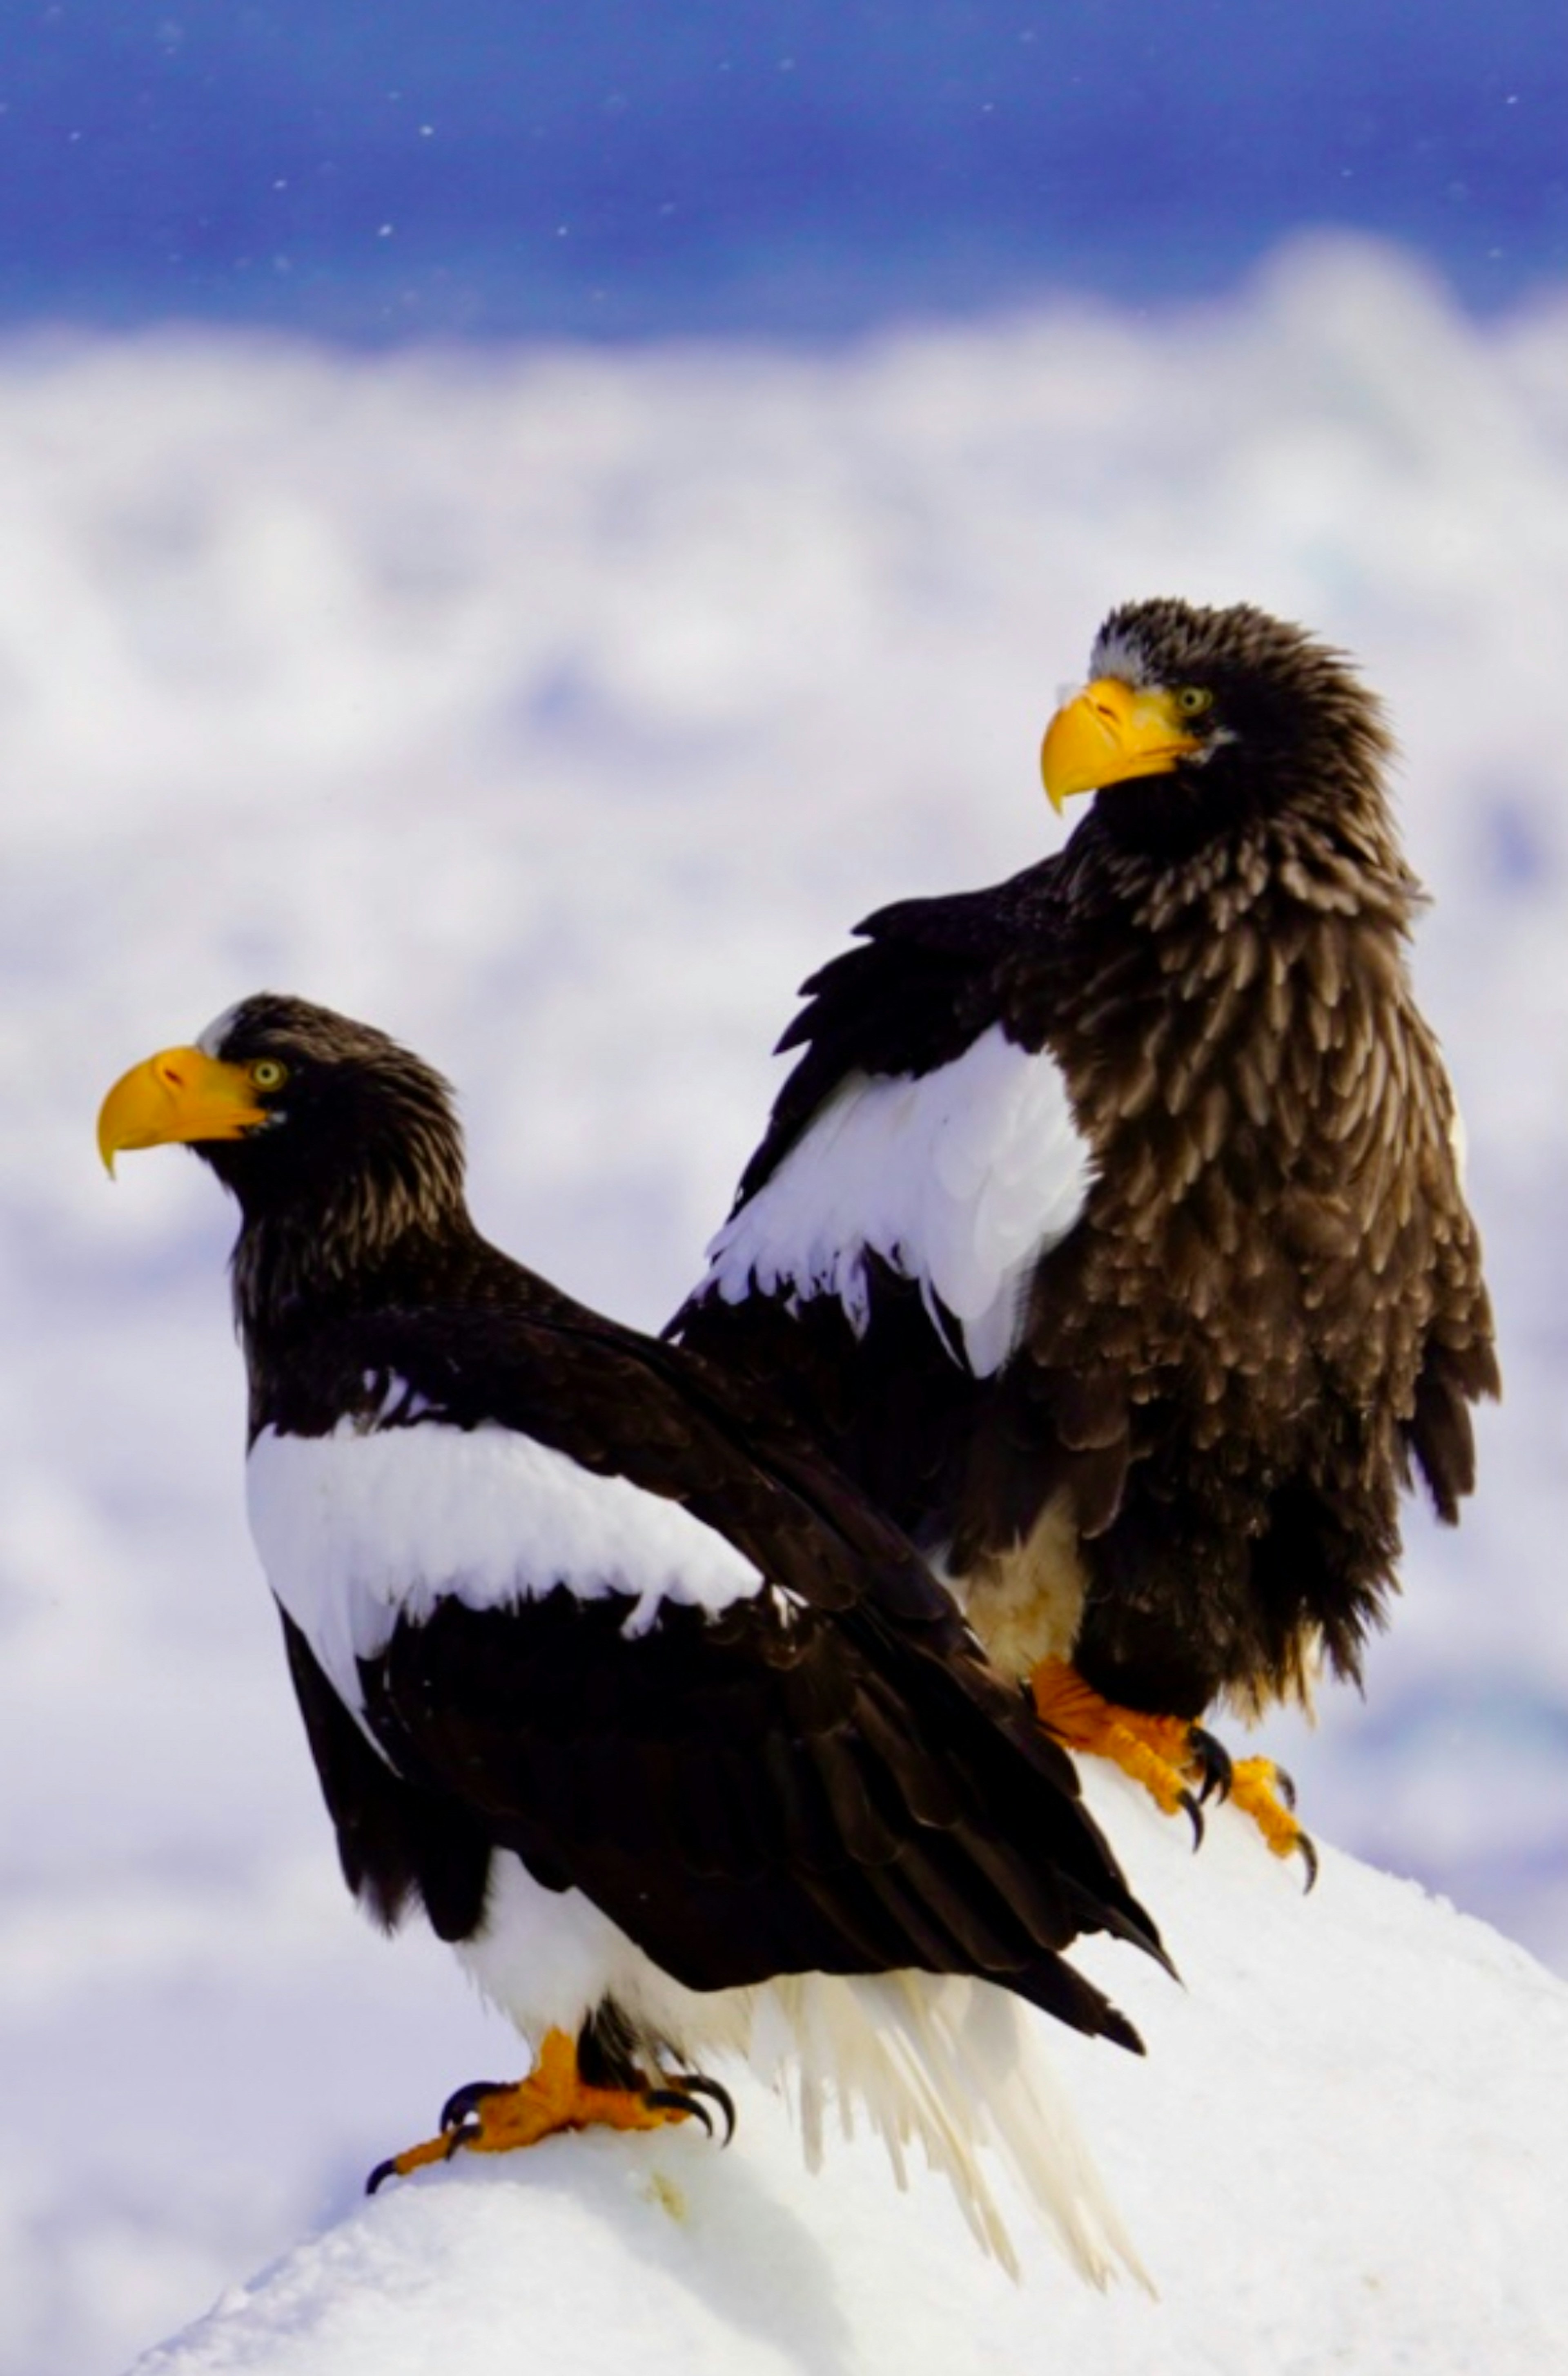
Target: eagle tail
[[955, 2067]]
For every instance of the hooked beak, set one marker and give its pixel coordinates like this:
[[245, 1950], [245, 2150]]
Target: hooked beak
[[1109, 731], [179, 1096]]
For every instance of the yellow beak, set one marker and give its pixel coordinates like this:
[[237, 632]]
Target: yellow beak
[[1110, 731], [180, 1096]]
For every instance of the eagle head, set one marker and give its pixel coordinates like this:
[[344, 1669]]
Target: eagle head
[[1194, 720]]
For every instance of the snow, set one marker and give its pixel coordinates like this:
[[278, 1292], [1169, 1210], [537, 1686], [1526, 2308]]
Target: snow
[[960, 1177], [559, 712], [1346, 2148]]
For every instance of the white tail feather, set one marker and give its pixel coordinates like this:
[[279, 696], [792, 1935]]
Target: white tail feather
[[956, 2066]]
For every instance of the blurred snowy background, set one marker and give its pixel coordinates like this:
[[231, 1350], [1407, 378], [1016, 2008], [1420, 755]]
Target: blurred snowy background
[[557, 703]]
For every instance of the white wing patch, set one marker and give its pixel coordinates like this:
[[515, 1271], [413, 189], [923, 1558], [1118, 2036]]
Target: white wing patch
[[960, 1178], [356, 1529]]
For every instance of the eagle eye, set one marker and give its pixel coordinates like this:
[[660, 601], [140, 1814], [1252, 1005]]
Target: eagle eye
[[1192, 700], [267, 1072]]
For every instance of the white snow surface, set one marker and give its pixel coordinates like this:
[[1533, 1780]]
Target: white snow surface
[[559, 712], [364, 1526], [1346, 2148], [960, 1178]]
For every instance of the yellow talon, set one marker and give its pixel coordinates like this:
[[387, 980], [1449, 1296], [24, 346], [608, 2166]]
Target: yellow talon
[[1166, 1754], [1256, 1788], [1154, 1749], [554, 2096]]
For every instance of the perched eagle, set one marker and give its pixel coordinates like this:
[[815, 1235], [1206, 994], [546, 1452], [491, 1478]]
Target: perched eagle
[[666, 1731], [1109, 1230]]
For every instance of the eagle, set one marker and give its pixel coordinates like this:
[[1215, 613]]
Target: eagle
[[608, 1672], [1109, 1230]]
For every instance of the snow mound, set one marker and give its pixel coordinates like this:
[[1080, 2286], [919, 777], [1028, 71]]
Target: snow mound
[[1348, 2147]]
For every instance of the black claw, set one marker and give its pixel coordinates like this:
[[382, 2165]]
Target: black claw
[[464, 2102], [1308, 1855], [1195, 1813], [675, 2099], [379, 2176], [695, 2085], [1213, 1758], [1285, 1787]]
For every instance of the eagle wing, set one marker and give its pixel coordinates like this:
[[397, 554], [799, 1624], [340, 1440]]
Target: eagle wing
[[918, 988], [883, 1261], [711, 1690]]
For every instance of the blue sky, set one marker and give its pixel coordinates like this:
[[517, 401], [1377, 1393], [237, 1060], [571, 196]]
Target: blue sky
[[618, 169]]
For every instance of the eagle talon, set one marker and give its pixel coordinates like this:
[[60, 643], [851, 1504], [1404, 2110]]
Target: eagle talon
[[464, 2102], [487, 2118], [677, 2099], [696, 2084], [1264, 1792], [435, 2149], [1157, 1751], [1212, 1760]]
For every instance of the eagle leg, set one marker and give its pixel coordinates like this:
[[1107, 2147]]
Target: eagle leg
[[1158, 1750], [1267, 1793], [1165, 1753], [482, 2119]]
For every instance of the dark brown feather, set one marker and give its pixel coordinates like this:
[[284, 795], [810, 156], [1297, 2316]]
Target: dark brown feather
[[1273, 1300], [823, 1775]]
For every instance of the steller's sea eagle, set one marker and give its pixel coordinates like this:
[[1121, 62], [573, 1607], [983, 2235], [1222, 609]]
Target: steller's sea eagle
[[671, 1735], [1109, 1230]]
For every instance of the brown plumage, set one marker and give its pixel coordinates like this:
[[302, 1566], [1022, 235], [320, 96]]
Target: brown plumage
[[1262, 1303]]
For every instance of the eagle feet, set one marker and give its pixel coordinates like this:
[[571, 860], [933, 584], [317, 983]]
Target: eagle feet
[[682, 2093], [1208, 1762], [491, 2117], [1266, 1792], [1171, 1758], [1158, 1750]]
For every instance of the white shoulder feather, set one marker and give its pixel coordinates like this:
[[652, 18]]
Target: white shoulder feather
[[365, 1526], [960, 1178]]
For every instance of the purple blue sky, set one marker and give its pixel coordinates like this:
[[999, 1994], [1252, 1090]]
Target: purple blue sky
[[381, 169]]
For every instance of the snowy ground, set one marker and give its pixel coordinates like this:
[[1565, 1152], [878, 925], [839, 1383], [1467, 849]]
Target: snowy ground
[[1346, 2149], [558, 712]]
